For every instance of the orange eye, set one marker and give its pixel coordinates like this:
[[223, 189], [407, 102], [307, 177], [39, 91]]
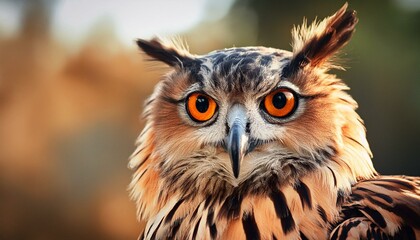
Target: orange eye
[[200, 107], [280, 103]]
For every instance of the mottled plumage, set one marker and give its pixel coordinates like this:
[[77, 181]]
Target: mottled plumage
[[261, 143]]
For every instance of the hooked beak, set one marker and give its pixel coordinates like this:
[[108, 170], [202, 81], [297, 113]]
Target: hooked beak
[[237, 139]]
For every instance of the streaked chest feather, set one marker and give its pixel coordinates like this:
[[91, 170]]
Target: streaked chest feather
[[265, 209]]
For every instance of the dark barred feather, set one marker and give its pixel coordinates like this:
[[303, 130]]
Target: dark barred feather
[[388, 205]]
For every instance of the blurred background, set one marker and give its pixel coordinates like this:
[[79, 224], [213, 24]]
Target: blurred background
[[72, 86]]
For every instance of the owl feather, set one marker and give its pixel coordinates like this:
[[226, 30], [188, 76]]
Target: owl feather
[[262, 143]]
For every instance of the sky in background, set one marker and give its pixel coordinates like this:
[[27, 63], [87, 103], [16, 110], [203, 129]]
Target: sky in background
[[9, 17], [72, 20]]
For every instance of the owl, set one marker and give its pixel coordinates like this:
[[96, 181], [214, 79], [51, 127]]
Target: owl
[[262, 143]]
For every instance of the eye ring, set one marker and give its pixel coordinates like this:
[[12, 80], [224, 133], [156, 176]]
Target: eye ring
[[200, 107], [280, 103]]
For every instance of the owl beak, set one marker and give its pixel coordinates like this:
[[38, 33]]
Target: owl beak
[[237, 139]]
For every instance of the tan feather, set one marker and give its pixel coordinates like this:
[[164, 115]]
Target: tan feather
[[305, 175]]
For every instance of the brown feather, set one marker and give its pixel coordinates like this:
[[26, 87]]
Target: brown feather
[[308, 175]]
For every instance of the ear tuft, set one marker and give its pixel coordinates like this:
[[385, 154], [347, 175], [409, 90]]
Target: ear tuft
[[171, 52], [314, 45]]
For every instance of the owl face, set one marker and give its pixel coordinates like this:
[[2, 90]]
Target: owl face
[[236, 107], [240, 112]]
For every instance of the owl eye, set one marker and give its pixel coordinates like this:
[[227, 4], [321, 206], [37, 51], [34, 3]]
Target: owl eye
[[280, 103], [200, 107]]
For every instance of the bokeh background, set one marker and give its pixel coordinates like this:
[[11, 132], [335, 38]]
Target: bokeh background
[[72, 86]]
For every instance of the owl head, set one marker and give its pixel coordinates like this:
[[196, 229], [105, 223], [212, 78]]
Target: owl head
[[245, 113]]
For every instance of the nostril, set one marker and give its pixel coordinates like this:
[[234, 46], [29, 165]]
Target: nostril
[[227, 128], [248, 127]]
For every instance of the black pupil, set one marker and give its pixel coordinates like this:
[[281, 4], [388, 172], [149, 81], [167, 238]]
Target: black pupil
[[279, 100], [202, 104]]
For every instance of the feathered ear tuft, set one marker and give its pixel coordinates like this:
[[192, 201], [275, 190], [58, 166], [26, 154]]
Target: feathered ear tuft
[[314, 45], [171, 52]]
